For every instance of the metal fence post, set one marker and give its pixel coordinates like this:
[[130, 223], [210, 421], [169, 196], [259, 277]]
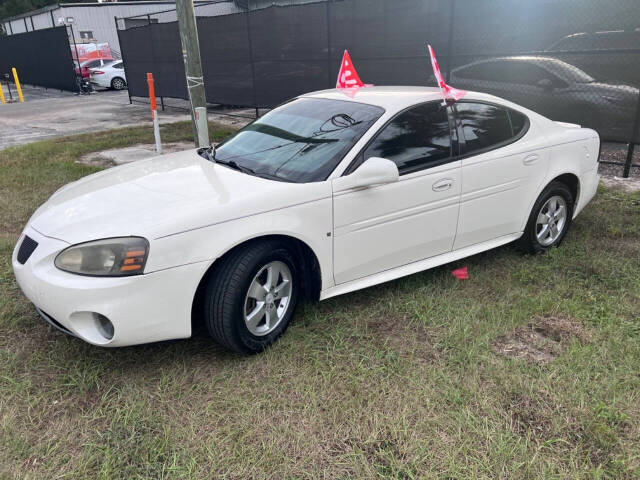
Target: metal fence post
[[329, 82], [452, 13], [635, 136], [253, 67], [124, 63], [153, 55]]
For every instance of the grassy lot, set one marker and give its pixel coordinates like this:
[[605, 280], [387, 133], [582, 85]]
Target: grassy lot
[[529, 369]]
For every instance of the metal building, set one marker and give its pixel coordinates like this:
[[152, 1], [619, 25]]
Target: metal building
[[94, 22]]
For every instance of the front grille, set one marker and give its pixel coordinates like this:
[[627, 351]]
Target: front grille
[[26, 249]]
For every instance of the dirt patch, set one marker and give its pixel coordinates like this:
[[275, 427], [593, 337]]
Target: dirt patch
[[120, 156], [542, 340], [531, 415], [629, 185], [617, 152]]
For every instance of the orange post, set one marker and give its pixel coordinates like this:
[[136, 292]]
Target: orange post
[[154, 112], [152, 93]]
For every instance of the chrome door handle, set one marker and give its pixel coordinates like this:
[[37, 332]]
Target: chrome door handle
[[442, 185], [531, 159]]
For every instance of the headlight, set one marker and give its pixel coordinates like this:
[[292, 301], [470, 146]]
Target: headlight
[[112, 257]]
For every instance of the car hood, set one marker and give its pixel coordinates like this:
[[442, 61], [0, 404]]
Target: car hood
[[608, 88], [163, 196]]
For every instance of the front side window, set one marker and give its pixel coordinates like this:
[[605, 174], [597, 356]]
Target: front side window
[[416, 139], [300, 141]]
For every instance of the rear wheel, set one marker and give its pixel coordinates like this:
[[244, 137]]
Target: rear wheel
[[549, 220], [251, 296], [118, 83]]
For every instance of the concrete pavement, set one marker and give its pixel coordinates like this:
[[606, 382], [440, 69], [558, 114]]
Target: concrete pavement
[[48, 114]]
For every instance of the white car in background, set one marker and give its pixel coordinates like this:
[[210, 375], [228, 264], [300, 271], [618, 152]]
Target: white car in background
[[327, 194], [109, 76]]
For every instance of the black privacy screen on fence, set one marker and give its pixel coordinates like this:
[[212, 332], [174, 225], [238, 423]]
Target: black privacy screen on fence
[[574, 61], [41, 57]]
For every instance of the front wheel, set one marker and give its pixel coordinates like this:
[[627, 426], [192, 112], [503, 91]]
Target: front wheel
[[251, 296], [549, 220]]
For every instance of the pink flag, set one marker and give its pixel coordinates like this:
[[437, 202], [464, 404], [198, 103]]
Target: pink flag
[[461, 273], [348, 77], [447, 91]]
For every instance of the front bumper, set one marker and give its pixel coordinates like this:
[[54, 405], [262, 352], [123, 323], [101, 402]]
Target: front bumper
[[144, 308]]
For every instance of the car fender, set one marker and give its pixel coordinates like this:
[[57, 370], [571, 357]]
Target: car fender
[[575, 156], [310, 223]]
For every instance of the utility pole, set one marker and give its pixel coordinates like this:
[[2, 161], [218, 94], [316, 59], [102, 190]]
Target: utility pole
[[193, 70]]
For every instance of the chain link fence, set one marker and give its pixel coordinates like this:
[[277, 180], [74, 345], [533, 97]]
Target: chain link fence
[[576, 61]]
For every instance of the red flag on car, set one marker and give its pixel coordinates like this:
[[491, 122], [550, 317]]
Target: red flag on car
[[348, 76], [447, 91]]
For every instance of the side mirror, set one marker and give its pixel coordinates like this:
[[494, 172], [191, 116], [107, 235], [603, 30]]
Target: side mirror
[[545, 84], [374, 171]]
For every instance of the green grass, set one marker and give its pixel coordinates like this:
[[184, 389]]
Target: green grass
[[403, 380]]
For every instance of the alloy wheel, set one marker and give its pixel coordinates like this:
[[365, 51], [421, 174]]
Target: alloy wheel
[[551, 220], [268, 298]]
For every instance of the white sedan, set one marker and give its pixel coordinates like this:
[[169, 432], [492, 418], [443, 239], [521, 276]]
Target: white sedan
[[109, 76], [322, 196]]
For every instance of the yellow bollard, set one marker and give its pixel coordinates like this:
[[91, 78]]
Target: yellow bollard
[[15, 78], [1, 95]]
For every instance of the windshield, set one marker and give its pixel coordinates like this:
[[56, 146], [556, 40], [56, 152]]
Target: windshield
[[570, 72], [300, 141]]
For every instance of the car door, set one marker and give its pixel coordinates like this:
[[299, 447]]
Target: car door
[[386, 226], [503, 166]]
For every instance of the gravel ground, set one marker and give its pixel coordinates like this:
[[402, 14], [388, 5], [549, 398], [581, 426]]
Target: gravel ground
[[617, 152]]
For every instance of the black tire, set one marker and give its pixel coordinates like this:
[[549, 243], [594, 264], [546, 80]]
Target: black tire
[[529, 242], [226, 291], [116, 85]]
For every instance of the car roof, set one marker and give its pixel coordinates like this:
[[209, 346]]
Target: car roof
[[395, 99], [389, 98]]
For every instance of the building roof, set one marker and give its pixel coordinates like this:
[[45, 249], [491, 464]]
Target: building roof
[[46, 9]]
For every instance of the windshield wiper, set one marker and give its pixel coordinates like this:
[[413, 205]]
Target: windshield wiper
[[235, 166], [210, 154]]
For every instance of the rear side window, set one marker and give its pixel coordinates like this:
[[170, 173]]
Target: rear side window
[[416, 139], [483, 126], [519, 122]]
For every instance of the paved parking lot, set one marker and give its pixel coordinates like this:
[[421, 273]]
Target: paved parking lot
[[51, 113]]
